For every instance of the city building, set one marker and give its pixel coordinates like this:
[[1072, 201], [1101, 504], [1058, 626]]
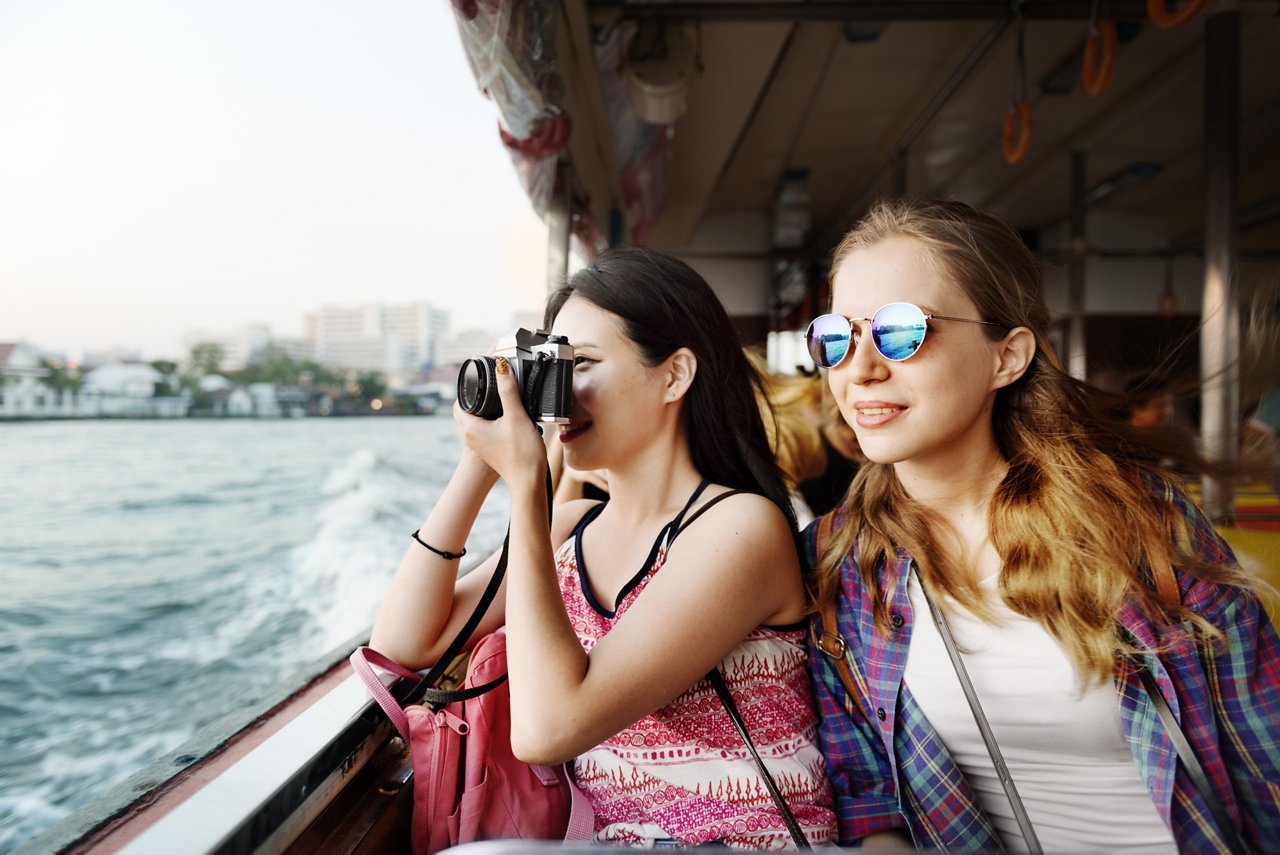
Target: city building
[[397, 341], [251, 344]]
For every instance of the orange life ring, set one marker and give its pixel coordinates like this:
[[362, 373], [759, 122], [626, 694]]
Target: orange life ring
[[1166, 20], [1098, 73], [1016, 121]]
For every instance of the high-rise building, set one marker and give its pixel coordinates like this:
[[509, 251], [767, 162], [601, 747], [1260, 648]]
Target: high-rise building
[[398, 341], [245, 346]]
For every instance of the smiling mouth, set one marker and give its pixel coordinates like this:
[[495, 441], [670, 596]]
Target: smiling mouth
[[570, 432], [874, 417]]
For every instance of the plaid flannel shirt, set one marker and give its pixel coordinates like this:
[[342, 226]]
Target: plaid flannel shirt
[[889, 769]]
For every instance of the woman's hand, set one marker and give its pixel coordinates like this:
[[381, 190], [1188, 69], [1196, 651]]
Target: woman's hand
[[510, 444]]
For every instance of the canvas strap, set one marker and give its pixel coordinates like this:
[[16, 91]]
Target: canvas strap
[[1226, 828], [1165, 582], [980, 717]]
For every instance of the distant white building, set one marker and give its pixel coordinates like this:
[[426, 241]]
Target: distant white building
[[397, 341], [23, 393], [260, 401], [132, 390]]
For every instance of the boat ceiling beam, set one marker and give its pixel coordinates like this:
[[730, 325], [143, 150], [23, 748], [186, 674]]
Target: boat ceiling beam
[[853, 10], [827, 236]]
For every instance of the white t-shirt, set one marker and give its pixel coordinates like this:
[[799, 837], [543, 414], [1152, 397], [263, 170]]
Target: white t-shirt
[[1064, 744]]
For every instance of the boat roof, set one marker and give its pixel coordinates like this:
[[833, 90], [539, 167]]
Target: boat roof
[[880, 98]]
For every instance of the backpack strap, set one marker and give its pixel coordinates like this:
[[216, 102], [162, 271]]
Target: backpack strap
[[830, 641], [833, 646]]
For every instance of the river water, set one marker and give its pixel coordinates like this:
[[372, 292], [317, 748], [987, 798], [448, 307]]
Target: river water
[[157, 575]]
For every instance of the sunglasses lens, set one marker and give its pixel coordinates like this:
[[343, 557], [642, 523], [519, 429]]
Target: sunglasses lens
[[828, 340], [898, 330]]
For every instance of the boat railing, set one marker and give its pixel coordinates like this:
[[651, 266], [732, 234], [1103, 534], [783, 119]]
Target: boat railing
[[319, 770]]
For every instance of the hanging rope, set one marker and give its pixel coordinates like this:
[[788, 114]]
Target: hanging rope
[[1160, 15], [1098, 73], [1015, 138]]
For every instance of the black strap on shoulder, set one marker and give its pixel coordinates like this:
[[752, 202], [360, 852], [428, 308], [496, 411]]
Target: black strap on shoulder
[[722, 690], [587, 517], [1227, 831], [702, 510]]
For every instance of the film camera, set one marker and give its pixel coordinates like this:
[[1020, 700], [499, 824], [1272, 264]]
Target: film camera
[[543, 365]]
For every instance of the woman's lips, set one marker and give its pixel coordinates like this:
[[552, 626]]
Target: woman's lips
[[871, 414], [573, 430]]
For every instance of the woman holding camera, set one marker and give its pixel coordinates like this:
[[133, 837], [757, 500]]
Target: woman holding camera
[[612, 621], [1009, 558]]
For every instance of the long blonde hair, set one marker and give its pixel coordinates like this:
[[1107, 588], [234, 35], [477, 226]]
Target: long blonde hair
[[791, 407], [1079, 521]]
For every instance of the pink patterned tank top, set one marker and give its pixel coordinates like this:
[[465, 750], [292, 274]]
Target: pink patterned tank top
[[683, 772]]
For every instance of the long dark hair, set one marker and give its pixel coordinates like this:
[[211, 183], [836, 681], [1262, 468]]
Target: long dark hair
[[665, 305]]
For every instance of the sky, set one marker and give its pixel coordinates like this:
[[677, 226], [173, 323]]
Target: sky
[[206, 164]]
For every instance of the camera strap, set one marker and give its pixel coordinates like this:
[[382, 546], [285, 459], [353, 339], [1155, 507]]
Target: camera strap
[[532, 391], [426, 686]]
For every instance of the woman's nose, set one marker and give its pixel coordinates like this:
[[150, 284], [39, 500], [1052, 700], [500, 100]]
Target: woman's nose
[[865, 364]]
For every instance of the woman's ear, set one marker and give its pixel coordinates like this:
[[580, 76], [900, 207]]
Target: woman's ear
[[681, 367], [1014, 352]]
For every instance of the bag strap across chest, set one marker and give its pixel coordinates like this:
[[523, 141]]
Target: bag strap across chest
[[717, 681]]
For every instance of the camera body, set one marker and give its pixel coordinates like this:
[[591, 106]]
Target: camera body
[[543, 367]]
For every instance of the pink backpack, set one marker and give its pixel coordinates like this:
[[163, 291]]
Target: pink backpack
[[467, 785]]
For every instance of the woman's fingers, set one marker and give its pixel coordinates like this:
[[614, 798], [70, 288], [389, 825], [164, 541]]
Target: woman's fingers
[[508, 388], [510, 443]]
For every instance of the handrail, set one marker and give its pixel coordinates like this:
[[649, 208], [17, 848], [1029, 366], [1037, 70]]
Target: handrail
[[1015, 138], [1160, 15], [1098, 73]]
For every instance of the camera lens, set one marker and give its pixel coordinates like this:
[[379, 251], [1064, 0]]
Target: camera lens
[[478, 389]]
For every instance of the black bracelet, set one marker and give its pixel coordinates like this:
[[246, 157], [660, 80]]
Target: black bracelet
[[447, 556]]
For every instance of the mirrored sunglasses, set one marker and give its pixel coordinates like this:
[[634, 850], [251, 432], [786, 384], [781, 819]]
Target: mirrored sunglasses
[[897, 331]]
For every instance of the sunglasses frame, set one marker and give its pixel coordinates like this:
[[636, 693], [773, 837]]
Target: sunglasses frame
[[852, 343]]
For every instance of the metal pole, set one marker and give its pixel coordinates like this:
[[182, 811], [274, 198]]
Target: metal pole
[[1220, 331], [558, 230], [1076, 354]]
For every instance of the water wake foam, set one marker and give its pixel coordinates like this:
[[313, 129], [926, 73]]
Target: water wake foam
[[362, 532]]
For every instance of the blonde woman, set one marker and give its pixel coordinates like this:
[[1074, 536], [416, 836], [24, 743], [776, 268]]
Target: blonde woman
[[1062, 566]]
